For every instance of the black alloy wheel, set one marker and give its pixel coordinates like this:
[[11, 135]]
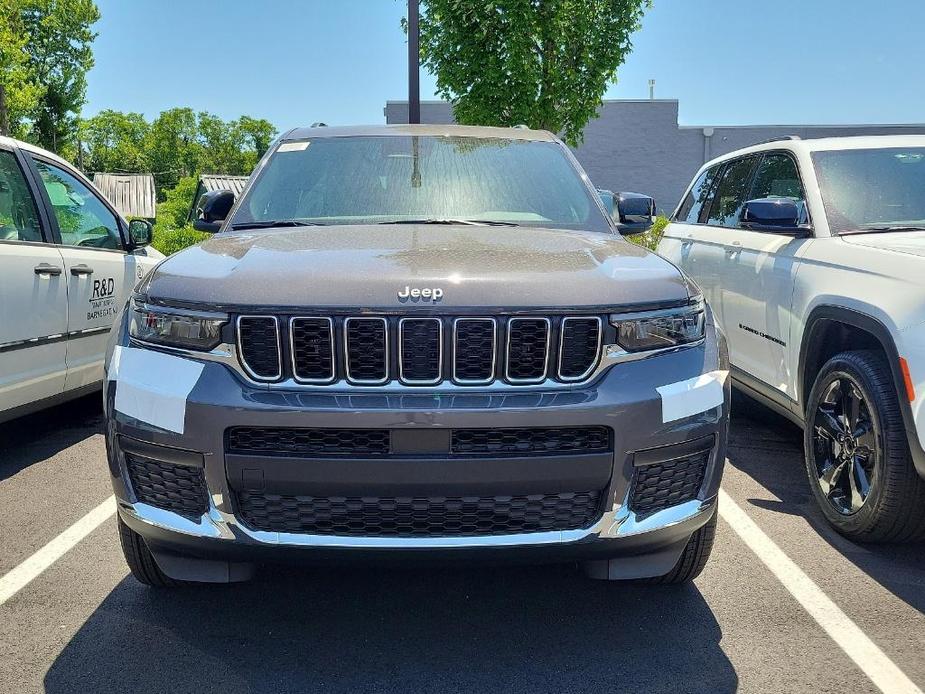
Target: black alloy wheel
[[846, 448]]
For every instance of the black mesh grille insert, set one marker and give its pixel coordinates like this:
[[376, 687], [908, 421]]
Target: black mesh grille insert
[[367, 353], [177, 488], [314, 442], [661, 485], [312, 349], [419, 516], [259, 341], [421, 348], [474, 349], [581, 338], [530, 440], [527, 346]]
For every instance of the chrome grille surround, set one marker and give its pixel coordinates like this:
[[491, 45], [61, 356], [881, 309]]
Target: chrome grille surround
[[494, 352], [348, 322], [507, 351], [292, 350], [264, 378], [402, 356], [597, 355]]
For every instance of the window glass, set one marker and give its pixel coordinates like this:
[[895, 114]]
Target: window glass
[[692, 210], [777, 177], [388, 179], [731, 193], [82, 217], [19, 219], [872, 189]]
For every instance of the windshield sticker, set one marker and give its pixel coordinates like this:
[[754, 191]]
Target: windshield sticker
[[293, 146]]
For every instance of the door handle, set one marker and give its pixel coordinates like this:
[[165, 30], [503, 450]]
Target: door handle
[[81, 270], [46, 269]]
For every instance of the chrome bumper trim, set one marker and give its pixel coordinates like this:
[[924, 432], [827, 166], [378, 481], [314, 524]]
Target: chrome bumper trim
[[616, 523]]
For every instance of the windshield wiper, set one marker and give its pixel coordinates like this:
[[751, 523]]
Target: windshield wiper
[[267, 224], [444, 220], [884, 229]]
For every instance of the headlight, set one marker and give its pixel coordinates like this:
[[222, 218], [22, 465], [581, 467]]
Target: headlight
[[175, 327], [659, 329]]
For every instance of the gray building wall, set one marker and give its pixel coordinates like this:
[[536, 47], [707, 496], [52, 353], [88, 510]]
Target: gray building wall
[[637, 145]]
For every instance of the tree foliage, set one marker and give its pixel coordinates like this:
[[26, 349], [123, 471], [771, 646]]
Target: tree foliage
[[543, 63], [178, 143], [19, 92], [172, 232]]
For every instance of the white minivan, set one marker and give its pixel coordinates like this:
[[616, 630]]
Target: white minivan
[[67, 262]]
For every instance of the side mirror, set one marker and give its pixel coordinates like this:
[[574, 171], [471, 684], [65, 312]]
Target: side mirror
[[140, 232], [776, 215], [212, 209], [635, 213]]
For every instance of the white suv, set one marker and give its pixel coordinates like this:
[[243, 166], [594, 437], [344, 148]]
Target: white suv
[[67, 264], [812, 255]]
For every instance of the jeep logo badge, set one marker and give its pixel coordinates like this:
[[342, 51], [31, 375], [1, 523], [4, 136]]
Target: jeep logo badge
[[434, 294]]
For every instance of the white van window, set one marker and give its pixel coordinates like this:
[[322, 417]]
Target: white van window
[[82, 218], [19, 219]]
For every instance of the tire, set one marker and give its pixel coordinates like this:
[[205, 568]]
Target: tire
[[140, 560], [694, 557], [877, 458]]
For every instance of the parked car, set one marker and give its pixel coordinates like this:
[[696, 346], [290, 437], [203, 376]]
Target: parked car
[[811, 255], [68, 262], [417, 342]]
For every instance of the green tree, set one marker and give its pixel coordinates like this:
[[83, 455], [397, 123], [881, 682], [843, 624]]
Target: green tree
[[172, 147], [171, 231], [59, 55], [115, 141], [19, 93], [544, 63]]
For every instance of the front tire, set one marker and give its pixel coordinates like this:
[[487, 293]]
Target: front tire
[[694, 557], [141, 562], [857, 455]]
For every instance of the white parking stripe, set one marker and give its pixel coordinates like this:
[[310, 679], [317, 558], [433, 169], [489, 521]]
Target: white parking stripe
[[882, 671], [19, 577]]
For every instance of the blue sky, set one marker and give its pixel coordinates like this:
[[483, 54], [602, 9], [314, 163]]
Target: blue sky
[[298, 61]]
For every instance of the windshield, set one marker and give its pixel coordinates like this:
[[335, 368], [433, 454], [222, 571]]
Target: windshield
[[389, 179], [868, 190]]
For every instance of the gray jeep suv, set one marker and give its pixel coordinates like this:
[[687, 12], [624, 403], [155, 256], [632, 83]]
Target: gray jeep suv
[[416, 342]]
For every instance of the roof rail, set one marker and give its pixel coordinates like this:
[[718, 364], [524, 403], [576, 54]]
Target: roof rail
[[779, 139], [319, 124]]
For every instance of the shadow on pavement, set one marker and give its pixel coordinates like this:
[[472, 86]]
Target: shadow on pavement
[[39, 436], [513, 629], [769, 449]]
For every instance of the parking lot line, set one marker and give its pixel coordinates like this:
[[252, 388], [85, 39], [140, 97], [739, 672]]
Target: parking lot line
[[873, 662], [23, 574]]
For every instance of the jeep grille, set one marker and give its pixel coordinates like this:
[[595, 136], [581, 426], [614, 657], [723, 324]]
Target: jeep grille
[[420, 350]]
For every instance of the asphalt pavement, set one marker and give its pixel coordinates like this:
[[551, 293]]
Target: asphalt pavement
[[83, 625]]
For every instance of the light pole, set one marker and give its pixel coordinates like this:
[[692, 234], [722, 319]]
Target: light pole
[[414, 59]]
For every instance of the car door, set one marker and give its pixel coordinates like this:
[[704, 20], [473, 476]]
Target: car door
[[759, 278], [33, 293], [100, 273], [687, 241]]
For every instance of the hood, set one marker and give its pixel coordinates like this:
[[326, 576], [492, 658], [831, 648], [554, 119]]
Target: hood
[[910, 242], [371, 266]]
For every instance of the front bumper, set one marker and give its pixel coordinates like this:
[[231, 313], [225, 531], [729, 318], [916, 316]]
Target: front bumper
[[623, 398]]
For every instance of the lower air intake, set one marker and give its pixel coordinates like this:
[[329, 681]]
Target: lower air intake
[[662, 485], [419, 516], [177, 488]]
